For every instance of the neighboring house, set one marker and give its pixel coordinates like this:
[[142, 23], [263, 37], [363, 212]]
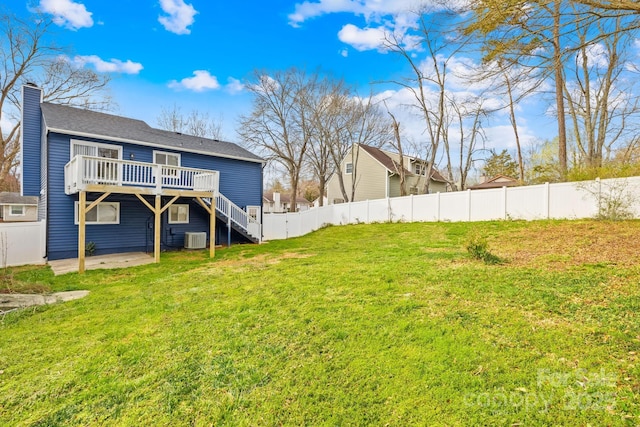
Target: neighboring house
[[14, 207], [497, 181], [143, 187], [375, 173], [281, 203]]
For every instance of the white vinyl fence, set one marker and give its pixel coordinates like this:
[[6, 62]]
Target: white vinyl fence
[[571, 200], [22, 243]]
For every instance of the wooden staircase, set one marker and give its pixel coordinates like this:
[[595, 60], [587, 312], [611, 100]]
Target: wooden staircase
[[236, 218]]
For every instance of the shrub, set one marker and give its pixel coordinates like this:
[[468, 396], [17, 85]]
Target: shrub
[[478, 248]]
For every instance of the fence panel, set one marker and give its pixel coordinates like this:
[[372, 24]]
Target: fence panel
[[22, 243], [274, 226], [378, 210], [454, 206], [573, 200], [358, 212], [488, 204], [401, 209], [527, 202], [426, 208]]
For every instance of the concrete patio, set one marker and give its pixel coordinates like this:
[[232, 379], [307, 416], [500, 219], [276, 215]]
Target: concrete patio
[[130, 259]]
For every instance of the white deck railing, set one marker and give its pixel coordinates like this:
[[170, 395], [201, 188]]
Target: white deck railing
[[85, 170]]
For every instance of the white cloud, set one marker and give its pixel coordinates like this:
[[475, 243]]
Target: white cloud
[[372, 10], [344, 52], [234, 86], [67, 13], [111, 66], [362, 39], [181, 15], [397, 18], [202, 80], [597, 55]]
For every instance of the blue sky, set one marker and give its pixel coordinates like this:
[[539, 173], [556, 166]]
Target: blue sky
[[196, 53]]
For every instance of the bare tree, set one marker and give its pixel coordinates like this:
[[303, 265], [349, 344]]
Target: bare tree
[[26, 57], [601, 103], [195, 123], [531, 36], [279, 123], [400, 169], [467, 115], [329, 108], [428, 85]]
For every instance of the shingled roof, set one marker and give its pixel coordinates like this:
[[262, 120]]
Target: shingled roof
[[76, 121], [497, 181], [9, 198], [392, 165]]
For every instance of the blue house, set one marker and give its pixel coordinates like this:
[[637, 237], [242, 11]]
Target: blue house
[[124, 186]]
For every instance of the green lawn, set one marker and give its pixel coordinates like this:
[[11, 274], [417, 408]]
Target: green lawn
[[386, 324]]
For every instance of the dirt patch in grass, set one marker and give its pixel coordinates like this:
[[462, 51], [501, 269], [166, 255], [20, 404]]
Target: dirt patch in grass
[[573, 243]]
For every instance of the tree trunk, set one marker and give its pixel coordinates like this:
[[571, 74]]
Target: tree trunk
[[559, 80], [514, 124], [322, 185]]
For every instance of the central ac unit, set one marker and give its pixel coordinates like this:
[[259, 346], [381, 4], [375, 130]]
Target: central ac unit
[[195, 240]]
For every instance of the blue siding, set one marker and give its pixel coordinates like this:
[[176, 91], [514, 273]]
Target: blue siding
[[42, 203], [240, 181], [31, 140]]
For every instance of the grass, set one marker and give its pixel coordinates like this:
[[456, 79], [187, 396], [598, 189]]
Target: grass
[[386, 324]]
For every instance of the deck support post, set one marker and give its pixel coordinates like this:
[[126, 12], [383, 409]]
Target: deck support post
[[156, 229], [211, 210], [212, 228], [82, 216]]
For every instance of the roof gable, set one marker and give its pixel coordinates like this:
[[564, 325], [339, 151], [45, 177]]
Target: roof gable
[[382, 158], [393, 166], [497, 181], [76, 121]]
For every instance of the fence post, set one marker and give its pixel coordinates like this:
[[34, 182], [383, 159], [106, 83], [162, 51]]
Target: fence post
[[504, 202], [368, 215], [411, 211], [547, 196], [468, 205], [599, 196], [438, 206]]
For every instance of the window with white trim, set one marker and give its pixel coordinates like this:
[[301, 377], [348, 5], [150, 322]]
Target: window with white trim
[[103, 213], [420, 168], [95, 149], [178, 214], [164, 158], [103, 171], [348, 168], [254, 212], [171, 160], [16, 210]]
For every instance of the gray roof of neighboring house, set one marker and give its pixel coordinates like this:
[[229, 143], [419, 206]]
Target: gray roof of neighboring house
[[7, 198], [497, 181], [77, 121], [284, 198]]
